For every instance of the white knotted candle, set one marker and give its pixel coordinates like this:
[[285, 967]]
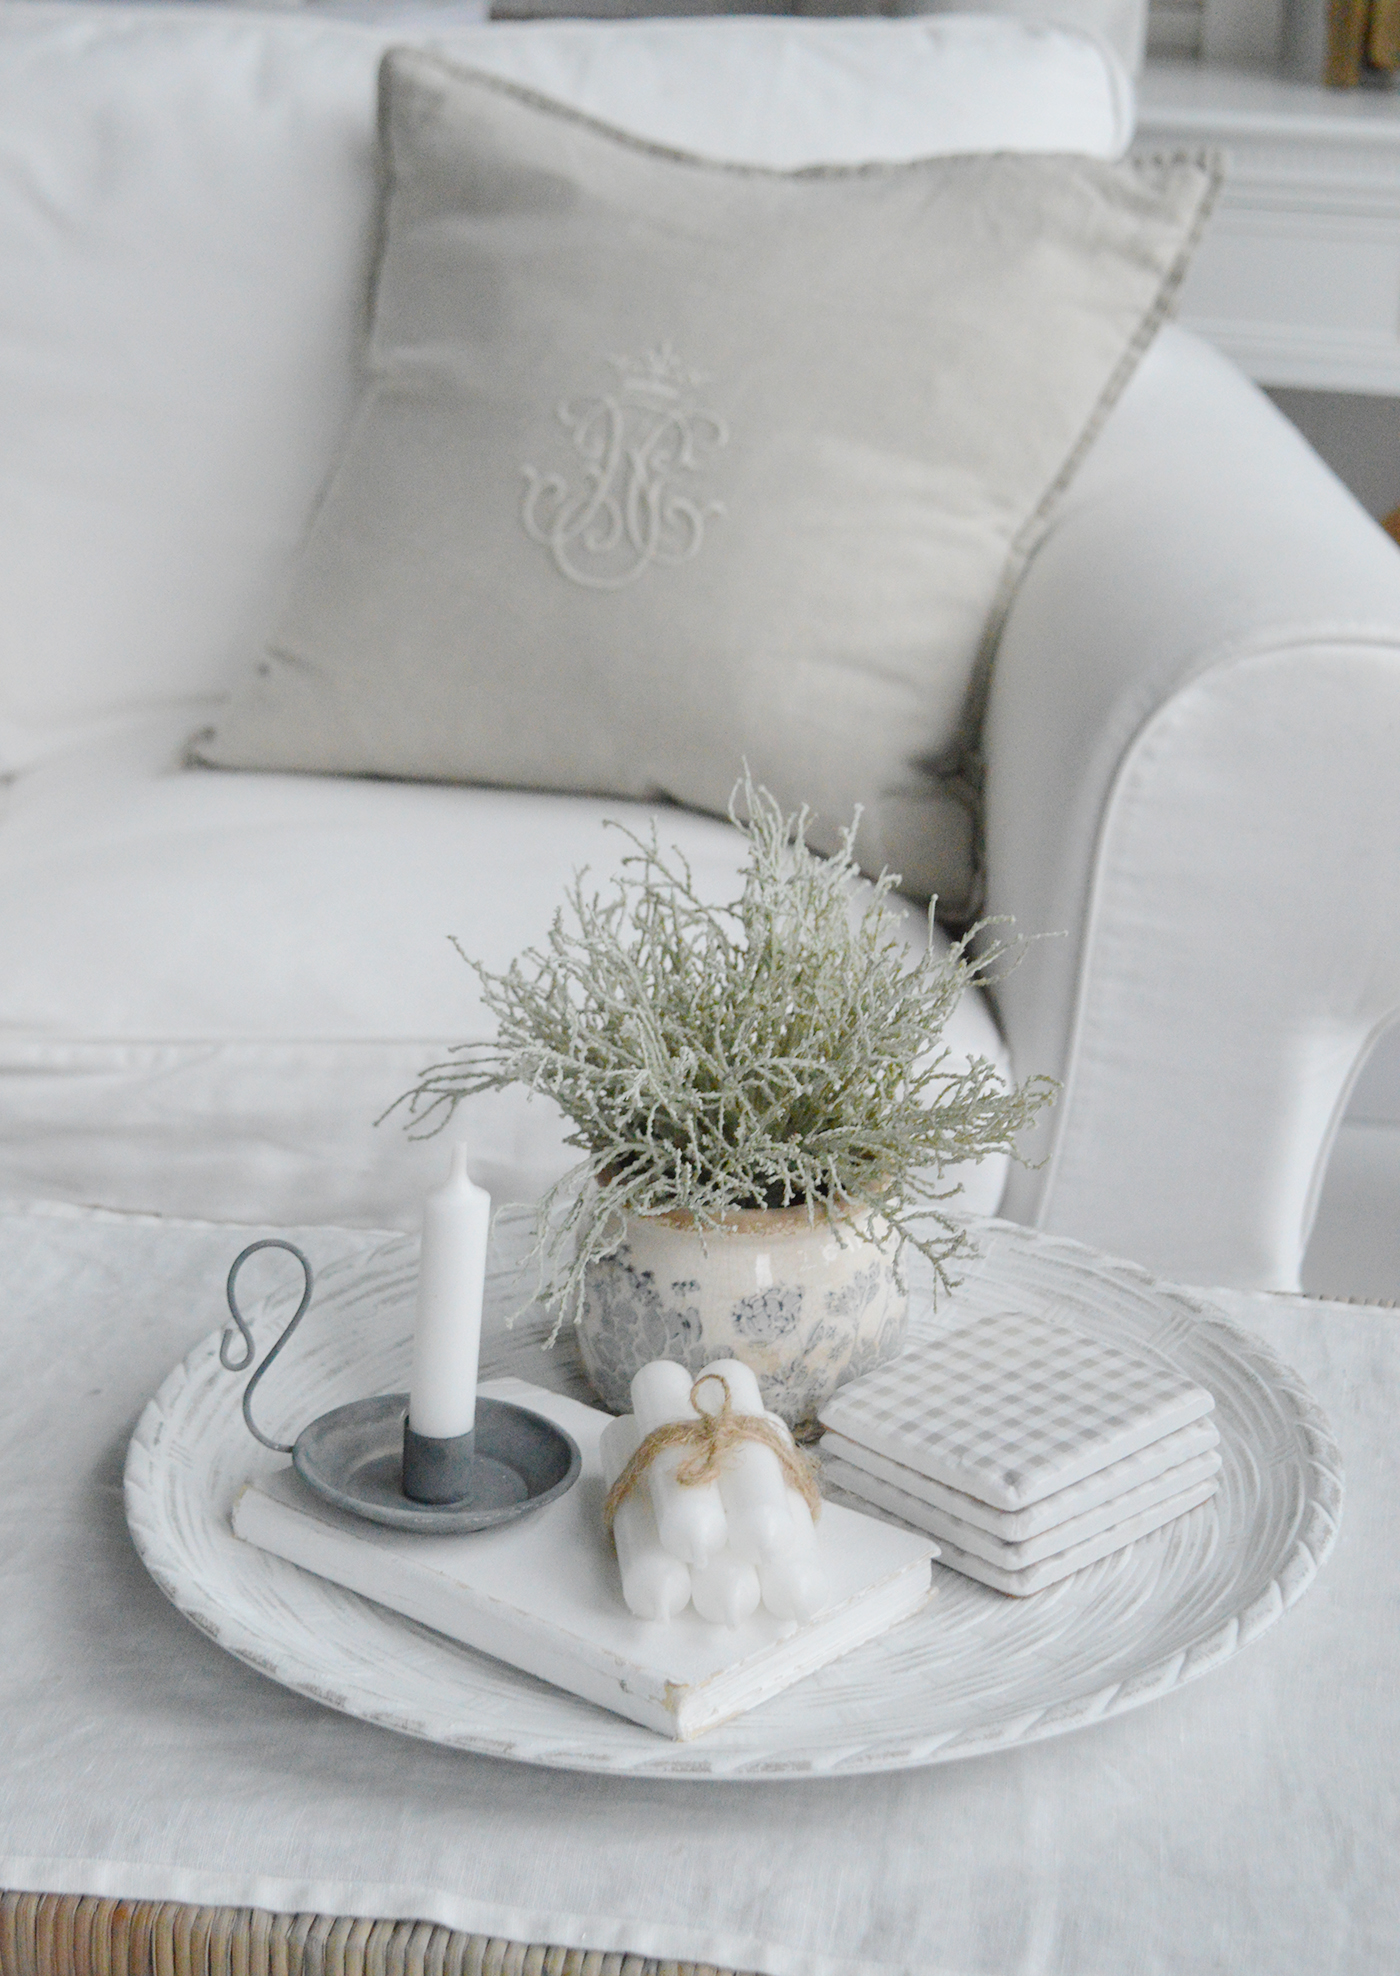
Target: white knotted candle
[[451, 1277], [794, 1583], [689, 1521], [752, 1486], [726, 1590], [655, 1585]]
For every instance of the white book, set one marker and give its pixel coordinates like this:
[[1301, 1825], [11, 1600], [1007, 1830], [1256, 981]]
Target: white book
[[544, 1595]]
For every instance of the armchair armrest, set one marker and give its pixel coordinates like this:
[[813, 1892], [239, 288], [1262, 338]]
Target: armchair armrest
[[1193, 768]]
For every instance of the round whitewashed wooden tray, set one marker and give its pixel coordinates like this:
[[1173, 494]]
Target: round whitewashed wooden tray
[[973, 1672]]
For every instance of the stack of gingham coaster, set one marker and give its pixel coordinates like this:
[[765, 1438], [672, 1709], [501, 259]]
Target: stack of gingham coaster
[[1026, 1448]]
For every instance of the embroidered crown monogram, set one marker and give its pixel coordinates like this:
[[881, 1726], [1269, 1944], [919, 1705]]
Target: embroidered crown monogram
[[639, 444]]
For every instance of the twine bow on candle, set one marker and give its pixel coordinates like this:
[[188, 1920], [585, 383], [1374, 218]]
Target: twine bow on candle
[[711, 1437]]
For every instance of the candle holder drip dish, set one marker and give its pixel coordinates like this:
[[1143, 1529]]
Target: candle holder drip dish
[[515, 1461]]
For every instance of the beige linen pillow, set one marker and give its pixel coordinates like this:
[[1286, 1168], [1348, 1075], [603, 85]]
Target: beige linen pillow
[[663, 465]]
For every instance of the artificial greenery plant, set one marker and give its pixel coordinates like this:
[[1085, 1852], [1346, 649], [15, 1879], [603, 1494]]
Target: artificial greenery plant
[[782, 1049]]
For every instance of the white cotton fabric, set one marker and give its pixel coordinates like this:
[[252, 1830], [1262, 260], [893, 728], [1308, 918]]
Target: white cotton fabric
[[1248, 1822], [187, 199], [215, 984], [1121, 23], [1191, 749]]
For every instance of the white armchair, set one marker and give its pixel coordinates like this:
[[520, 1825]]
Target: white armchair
[[1191, 770], [212, 983]]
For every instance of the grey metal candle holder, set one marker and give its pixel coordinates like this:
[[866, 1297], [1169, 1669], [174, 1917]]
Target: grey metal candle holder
[[361, 1456]]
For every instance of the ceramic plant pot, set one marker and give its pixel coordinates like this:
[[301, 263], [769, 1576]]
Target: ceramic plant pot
[[807, 1304]]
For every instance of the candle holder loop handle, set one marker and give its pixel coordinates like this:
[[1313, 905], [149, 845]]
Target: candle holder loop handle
[[226, 1343]]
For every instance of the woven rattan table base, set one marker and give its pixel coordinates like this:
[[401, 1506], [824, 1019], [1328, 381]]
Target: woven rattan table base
[[79, 1935]]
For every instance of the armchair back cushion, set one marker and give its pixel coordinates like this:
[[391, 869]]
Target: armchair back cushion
[[665, 465], [187, 208]]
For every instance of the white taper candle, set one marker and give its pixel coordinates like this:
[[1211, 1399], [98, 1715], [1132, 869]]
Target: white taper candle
[[752, 1486], [689, 1521], [451, 1278], [655, 1585]]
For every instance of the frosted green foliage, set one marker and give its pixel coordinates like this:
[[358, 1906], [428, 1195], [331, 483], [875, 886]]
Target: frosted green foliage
[[782, 1049]]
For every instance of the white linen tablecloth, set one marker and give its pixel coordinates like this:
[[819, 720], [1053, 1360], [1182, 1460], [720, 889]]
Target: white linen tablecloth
[[1248, 1824]]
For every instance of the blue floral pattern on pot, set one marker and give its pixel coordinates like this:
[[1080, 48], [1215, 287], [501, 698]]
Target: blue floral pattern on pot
[[807, 1304]]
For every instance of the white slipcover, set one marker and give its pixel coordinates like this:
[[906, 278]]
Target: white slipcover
[[212, 986], [1246, 1824], [1192, 744], [215, 984]]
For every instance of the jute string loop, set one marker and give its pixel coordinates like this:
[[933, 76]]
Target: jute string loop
[[711, 1437]]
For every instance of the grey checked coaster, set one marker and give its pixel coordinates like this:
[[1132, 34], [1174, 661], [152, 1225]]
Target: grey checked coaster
[[1014, 1526], [1016, 1554], [1050, 1570], [1011, 1408]]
